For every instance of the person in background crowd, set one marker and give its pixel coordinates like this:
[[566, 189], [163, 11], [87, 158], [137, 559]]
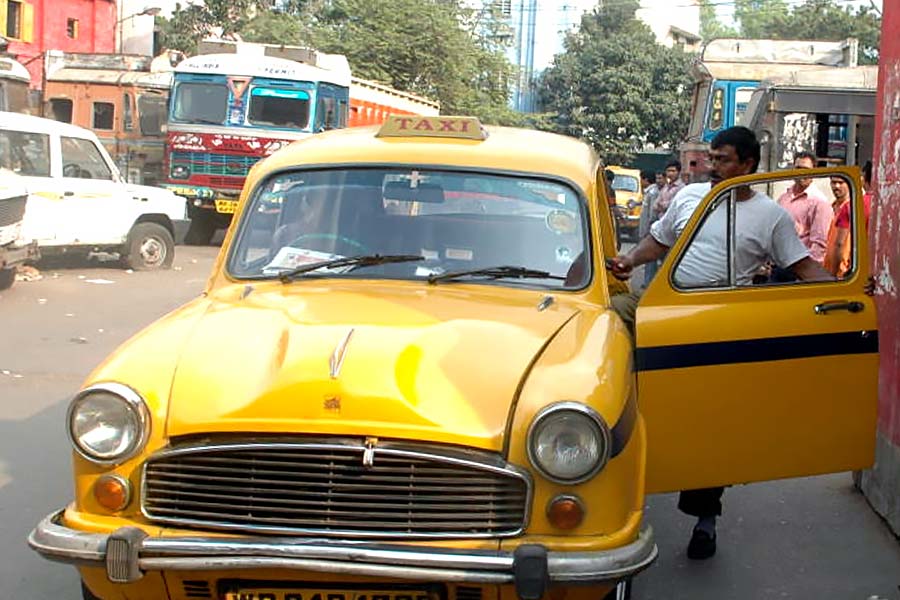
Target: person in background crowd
[[809, 208], [652, 184], [673, 185], [837, 259]]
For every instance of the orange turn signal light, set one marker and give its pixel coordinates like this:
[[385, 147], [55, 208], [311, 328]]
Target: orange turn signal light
[[113, 492], [565, 512]]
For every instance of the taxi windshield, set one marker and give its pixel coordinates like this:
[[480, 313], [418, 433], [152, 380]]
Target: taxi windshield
[[625, 183], [449, 222]]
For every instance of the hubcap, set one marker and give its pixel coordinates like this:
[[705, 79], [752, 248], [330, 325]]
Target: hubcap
[[153, 252]]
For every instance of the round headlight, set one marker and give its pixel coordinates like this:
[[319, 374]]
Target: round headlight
[[568, 442], [108, 423], [180, 172]]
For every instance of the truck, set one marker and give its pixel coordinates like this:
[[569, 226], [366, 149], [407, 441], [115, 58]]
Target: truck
[[118, 96], [728, 70], [829, 111], [14, 83], [235, 103]]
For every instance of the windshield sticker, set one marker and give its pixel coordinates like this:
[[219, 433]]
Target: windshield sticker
[[289, 258], [561, 222], [564, 255], [458, 254]]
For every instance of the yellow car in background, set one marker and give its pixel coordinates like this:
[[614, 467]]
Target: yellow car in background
[[404, 381], [629, 199]]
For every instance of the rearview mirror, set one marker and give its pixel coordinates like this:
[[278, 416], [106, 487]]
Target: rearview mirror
[[404, 192]]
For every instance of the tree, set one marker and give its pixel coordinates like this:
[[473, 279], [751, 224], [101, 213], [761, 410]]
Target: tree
[[616, 87], [190, 24], [812, 20], [710, 26], [421, 46]]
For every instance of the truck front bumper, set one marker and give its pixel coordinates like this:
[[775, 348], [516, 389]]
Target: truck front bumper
[[11, 256], [127, 553]]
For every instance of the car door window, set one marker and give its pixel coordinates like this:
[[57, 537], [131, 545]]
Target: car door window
[[82, 160], [25, 153], [742, 241]]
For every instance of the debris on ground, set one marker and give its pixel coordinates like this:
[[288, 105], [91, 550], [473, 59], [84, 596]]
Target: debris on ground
[[28, 273], [99, 281]]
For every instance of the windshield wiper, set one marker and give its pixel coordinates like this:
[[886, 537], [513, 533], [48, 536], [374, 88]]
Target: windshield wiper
[[349, 261], [503, 272]]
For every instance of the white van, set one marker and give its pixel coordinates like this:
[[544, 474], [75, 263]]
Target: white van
[[78, 201]]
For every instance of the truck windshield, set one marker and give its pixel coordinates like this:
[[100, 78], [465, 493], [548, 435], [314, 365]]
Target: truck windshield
[[448, 221], [200, 103], [275, 107]]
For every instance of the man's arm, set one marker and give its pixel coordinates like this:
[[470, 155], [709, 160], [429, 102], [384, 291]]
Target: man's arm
[[807, 269], [647, 250]]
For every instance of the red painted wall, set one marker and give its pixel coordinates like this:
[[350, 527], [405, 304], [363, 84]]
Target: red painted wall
[[885, 234], [96, 31]]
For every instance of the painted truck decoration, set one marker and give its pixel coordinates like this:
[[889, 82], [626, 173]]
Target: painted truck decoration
[[237, 103]]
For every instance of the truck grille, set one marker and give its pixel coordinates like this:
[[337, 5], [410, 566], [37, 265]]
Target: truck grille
[[12, 210], [207, 163], [323, 489]]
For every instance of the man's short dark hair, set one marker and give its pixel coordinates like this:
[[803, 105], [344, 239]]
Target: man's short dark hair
[[867, 172], [743, 140], [806, 154], [674, 163], [648, 175], [610, 175]]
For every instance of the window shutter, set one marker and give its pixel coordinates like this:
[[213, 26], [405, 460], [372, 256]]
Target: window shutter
[[27, 22]]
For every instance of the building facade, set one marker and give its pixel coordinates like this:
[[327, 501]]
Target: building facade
[[34, 26]]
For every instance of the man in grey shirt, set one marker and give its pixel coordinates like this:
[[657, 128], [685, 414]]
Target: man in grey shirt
[[765, 231]]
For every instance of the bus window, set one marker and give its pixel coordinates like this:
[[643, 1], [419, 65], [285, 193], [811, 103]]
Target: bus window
[[741, 101], [717, 109], [61, 109], [127, 112]]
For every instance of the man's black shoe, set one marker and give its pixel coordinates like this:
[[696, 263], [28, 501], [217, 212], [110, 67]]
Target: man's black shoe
[[702, 545]]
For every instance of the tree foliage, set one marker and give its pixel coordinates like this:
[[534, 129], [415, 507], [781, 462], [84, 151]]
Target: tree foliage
[[437, 48], [811, 20], [616, 87]]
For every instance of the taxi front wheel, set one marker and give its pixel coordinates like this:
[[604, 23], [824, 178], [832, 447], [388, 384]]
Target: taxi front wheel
[[150, 246], [86, 593]]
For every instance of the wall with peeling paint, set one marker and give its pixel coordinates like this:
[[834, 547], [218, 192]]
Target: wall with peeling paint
[[882, 484]]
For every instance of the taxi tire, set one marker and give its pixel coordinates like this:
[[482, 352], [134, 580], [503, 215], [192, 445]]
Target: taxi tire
[[7, 278], [626, 592], [142, 233]]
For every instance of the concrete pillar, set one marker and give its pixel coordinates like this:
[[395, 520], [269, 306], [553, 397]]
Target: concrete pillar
[[882, 483]]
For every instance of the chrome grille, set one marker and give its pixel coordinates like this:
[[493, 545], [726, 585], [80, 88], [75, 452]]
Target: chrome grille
[[12, 210], [323, 488]]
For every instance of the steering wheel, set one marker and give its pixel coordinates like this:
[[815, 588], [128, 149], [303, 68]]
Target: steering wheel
[[71, 170], [363, 249]]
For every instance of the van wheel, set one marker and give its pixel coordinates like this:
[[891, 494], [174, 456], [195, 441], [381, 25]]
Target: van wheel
[[149, 247], [202, 228], [7, 278], [86, 593]]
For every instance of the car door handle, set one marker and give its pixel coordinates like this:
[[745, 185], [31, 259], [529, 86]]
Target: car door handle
[[850, 306], [68, 193]]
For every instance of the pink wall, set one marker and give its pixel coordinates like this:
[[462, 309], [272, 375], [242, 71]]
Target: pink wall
[[96, 31], [885, 234]]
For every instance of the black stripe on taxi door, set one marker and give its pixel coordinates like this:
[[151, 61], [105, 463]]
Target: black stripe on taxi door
[[654, 358]]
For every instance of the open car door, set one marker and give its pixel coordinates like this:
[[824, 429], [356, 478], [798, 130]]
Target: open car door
[[742, 381]]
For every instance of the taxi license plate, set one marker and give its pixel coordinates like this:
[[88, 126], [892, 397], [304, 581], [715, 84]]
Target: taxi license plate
[[226, 206], [262, 593]]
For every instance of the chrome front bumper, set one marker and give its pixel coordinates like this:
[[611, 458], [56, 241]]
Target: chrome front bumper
[[127, 553]]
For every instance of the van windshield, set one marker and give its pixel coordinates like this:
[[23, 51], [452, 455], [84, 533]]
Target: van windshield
[[200, 103], [454, 221]]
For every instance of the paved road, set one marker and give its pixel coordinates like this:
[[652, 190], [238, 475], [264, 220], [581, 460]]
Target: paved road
[[808, 538]]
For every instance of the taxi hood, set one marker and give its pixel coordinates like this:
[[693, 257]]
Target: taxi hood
[[440, 364]]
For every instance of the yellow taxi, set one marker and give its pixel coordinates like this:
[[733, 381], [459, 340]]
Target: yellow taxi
[[404, 381], [629, 198]]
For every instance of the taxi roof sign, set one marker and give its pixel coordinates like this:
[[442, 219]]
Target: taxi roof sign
[[468, 128]]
